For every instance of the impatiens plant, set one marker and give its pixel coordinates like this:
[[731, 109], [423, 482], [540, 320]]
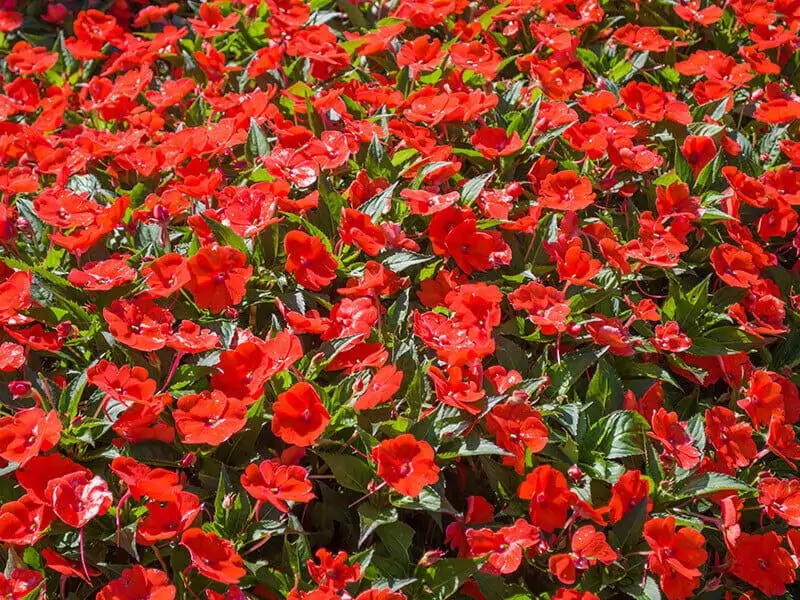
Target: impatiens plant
[[399, 300]]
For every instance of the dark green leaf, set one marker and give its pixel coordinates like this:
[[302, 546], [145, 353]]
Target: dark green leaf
[[351, 472], [709, 483], [226, 236]]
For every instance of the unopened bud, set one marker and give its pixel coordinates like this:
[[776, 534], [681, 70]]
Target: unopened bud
[[18, 389]]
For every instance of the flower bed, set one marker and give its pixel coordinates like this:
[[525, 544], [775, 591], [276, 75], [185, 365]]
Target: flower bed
[[402, 299]]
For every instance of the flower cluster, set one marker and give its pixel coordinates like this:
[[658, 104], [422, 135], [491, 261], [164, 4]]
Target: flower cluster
[[399, 299]]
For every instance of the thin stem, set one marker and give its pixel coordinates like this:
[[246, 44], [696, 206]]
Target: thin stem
[[364, 497], [121, 503], [178, 356], [83, 554]]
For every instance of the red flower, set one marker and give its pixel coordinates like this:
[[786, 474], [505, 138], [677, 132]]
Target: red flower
[[577, 266], [383, 385], [517, 428], [547, 306], [761, 561], [138, 582], [165, 521], [139, 323], [459, 388], [24, 521], [166, 275], [157, 484], [420, 54], [476, 250], [381, 594], [20, 584], [277, 484], [242, 372], [332, 572], [77, 498], [309, 261], [780, 498], [675, 439], [565, 594], [610, 331], [358, 229], [351, 317], [550, 497], [406, 464], [493, 142], [211, 22], [629, 491], [218, 276], [67, 567], [209, 417], [762, 398], [641, 38], [103, 275], [478, 511], [675, 556], [669, 338], [423, 202], [588, 548], [213, 556], [12, 356], [191, 339], [36, 338], [505, 546], [477, 57], [125, 384], [735, 266], [566, 190], [732, 440], [299, 417], [698, 150], [28, 433], [37, 474]]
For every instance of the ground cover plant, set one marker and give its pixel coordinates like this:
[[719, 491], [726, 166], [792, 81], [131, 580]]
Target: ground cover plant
[[399, 299]]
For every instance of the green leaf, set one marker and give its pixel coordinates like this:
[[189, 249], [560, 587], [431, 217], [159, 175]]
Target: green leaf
[[88, 184], [354, 14], [473, 188], [71, 396], [404, 260], [396, 538], [691, 305], [377, 163], [628, 531], [697, 429], [709, 483], [371, 517], [551, 135], [443, 578], [487, 17], [351, 472], [472, 445], [226, 236], [314, 120], [650, 590], [605, 388], [732, 338], [709, 173], [328, 214], [617, 435], [511, 355], [428, 500], [380, 204], [257, 144], [573, 365]]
